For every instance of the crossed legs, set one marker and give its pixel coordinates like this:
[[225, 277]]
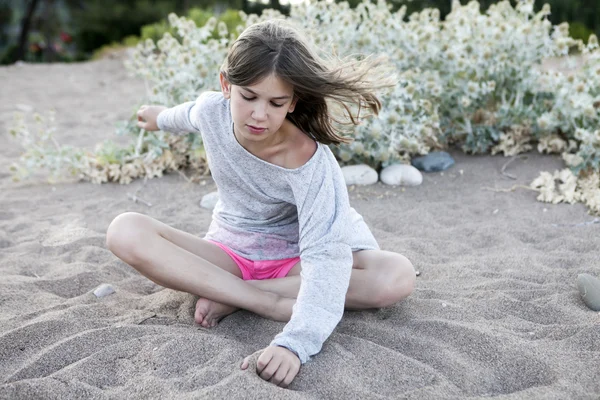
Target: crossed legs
[[181, 261]]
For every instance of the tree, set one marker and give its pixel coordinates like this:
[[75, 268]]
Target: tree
[[25, 27]]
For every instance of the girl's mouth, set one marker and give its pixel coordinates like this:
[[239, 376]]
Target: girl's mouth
[[256, 130]]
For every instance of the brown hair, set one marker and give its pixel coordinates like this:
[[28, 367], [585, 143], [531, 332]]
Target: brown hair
[[274, 46]]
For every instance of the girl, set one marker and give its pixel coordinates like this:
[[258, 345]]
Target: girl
[[283, 210]]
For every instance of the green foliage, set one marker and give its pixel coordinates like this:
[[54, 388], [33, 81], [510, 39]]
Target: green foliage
[[577, 30], [472, 80], [99, 23], [156, 31]]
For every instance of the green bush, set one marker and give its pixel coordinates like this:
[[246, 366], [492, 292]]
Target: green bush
[[155, 31], [472, 80], [577, 30]]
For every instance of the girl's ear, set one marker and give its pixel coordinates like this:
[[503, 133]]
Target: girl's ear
[[225, 86]]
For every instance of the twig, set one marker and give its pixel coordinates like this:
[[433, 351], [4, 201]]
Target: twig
[[138, 199], [506, 165], [55, 143], [141, 186], [135, 196], [512, 189], [138, 146], [184, 176]]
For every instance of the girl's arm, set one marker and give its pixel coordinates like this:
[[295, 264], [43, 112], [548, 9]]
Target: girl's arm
[[180, 119], [322, 201]]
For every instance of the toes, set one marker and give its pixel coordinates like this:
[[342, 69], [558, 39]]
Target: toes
[[198, 317], [209, 323], [201, 312]]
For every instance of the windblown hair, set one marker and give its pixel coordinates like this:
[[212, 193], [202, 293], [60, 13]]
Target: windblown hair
[[275, 47]]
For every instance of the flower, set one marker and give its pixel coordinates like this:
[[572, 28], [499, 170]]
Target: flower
[[65, 37]]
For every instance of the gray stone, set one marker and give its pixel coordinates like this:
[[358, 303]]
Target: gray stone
[[360, 174], [589, 289], [401, 174], [209, 201], [434, 161], [104, 290]]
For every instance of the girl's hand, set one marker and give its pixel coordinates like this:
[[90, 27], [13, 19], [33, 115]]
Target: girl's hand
[[147, 115], [277, 365]]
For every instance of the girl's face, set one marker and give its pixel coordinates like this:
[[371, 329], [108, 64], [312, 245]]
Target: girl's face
[[259, 110]]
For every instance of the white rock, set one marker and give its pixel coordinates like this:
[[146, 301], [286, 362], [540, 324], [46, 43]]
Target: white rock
[[104, 290], [359, 175], [401, 174], [209, 201]]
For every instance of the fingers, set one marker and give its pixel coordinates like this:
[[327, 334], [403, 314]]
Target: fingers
[[279, 377], [263, 361], [140, 112], [270, 369], [288, 378], [141, 121], [275, 367]]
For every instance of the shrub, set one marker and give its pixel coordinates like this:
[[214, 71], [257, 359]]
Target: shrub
[[473, 80]]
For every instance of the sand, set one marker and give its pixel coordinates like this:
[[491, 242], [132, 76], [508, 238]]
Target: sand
[[495, 312]]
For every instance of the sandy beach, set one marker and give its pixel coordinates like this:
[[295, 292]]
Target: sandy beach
[[495, 313]]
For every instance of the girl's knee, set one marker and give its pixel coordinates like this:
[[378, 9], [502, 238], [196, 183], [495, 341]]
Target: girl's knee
[[399, 280], [124, 235]]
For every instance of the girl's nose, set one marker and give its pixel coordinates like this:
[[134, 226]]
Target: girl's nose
[[260, 112]]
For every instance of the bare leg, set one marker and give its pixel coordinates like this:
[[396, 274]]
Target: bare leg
[[181, 261], [379, 279], [167, 257]]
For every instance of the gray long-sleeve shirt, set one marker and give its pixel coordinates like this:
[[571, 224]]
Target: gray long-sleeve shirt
[[267, 212]]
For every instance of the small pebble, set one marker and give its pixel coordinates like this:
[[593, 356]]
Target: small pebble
[[589, 289], [401, 174], [495, 211], [418, 273], [360, 174], [434, 161], [444, 304], [104, 290], [209, 201]]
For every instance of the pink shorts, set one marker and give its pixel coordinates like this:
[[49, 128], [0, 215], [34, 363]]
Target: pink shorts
[[260, 269]]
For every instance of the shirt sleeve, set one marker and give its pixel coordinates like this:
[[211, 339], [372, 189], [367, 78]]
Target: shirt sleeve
[[184, 118], [322, 202]]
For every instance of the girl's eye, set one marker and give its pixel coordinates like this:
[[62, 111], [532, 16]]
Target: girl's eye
[[252, 98]]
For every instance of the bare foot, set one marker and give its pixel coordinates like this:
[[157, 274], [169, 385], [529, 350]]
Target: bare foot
[[209, 313]]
